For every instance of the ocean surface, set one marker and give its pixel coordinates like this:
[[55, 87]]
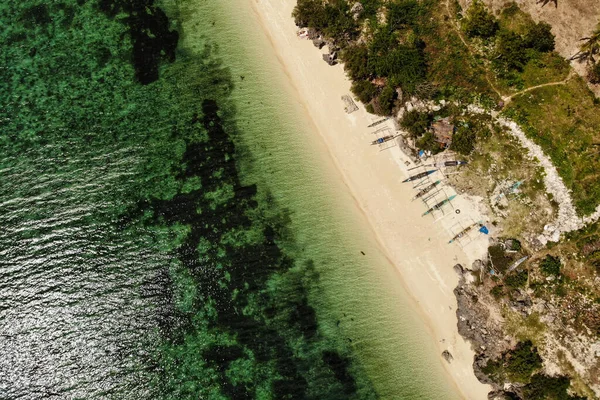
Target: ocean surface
[[171, 228]]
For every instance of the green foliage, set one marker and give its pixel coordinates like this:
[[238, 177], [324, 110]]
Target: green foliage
[[498, 258], [416, 122], [594, 73], [332, 18], [356, 62], [428, 142], [522, 361], [463, 141], [364, 91], [497, 292], [540, 37], [479, 22], [516, 279], [386, 100], [550, 265], [515, 245], [510, 52], [544, 387], [404, 13]]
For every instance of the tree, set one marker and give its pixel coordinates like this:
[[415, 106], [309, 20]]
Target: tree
[[510, 53], [310, 13], [386, 100], [550, 265], [403, 13], [479, 22], [364, 91], [416, 123], [356, 62], [594, 73], [463, 141], [590, 47], [522, 361], [540, 37]]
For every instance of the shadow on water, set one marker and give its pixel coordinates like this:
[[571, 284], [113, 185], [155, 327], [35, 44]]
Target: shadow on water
[[134, 262]]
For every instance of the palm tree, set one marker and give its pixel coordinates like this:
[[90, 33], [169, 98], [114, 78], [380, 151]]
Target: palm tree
[[544, 2], [590, 47]]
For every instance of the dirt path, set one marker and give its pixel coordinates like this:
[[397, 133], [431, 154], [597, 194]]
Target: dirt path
[[505, 99]]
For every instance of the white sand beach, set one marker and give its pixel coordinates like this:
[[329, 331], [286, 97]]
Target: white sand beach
[[417, 246]]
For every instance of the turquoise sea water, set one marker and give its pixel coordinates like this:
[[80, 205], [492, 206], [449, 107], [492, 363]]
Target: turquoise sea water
[[165, 232]]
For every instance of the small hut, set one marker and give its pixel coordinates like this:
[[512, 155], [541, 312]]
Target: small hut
[[443, 130]]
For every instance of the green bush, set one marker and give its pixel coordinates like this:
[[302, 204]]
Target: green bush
[[416, 122], [540, 37], [522, 361], [544, 387], [428, 142], [516, 279], [356, 62], [498, 257], [463, 141], [510, 51], [386, 100], [497, 292], [364, 91], [594, 73], [404, 13], [550, 265], [479, 22]]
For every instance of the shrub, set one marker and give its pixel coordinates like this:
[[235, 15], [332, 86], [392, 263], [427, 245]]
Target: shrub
[[544, 387], [427, 142], [356, 62], [540, 37], [510, 51], [386, 100], [499, 259], [497, 292], [516, 279], [370, 109], [364, 91], [416, 122], [403, 13], [479, 22], [522, 361], [550, 265], [594, 73], [310, 13], [463, 141]]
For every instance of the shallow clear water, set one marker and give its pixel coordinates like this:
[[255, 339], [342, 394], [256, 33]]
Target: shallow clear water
[[137, 257]]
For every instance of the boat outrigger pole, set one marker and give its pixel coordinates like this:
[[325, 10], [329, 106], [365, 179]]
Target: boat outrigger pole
[[439, 205]]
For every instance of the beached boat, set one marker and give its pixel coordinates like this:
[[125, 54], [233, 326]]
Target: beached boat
[[455, 163], [464, 232], [382, 139], [419, 176], [426, 190], [439, 205]]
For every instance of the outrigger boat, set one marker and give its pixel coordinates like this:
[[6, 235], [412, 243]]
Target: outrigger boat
[[439, 205], [419, 176], [426, 190], [464, 231], [383, 139], [377, 122], [454, 163]]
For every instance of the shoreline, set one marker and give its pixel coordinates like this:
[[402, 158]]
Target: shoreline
[[417, 247]]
